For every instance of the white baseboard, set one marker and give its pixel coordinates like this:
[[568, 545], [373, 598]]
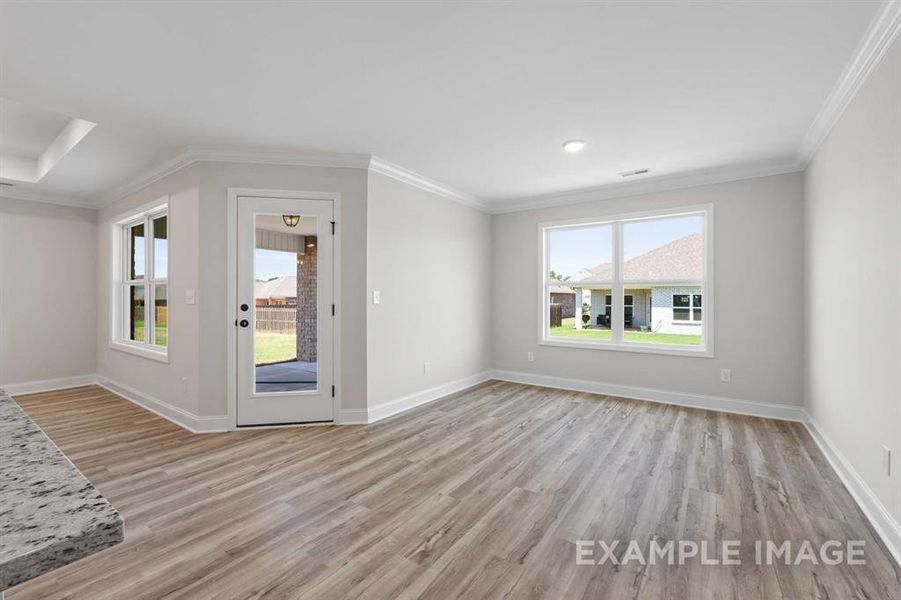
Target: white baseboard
[[729, 405], [179, 416], [388, 409], [352, 416], [885, 525], [48, 385]]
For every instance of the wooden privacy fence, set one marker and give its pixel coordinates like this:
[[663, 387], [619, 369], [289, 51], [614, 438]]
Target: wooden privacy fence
[[556, 315], [277, 319]]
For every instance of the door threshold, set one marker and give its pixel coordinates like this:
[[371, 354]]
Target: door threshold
[[294, 424]]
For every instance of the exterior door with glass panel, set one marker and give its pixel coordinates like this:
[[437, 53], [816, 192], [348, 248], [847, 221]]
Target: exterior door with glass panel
[[284, 317]]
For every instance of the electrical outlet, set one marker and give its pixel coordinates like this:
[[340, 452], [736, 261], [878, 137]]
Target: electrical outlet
[[887, 461], [726, 375], [426, 367], [531, 356]]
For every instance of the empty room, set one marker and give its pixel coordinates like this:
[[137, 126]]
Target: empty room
[[481, 300]]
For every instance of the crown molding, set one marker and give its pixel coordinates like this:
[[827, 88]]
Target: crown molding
[[880, 35], [192, 154], [307, 158], [299, 158], [179, 161], [663, 183], [16, 193], [379, 165]]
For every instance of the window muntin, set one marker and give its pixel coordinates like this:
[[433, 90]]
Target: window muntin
[[653, 255], [143, 289]]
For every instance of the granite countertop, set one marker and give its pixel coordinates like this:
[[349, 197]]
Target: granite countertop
[[50, 514]]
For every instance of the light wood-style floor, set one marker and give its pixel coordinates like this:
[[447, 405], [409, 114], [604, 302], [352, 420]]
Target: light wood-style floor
[[480, 495]]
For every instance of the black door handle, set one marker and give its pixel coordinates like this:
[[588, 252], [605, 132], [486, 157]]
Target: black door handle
[[244, 323]]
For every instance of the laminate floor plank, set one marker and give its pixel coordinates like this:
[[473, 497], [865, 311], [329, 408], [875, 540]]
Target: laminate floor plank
[[483, 494]]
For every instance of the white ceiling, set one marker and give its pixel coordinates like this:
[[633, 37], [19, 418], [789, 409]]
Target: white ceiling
[[27, 130], [478, 96]]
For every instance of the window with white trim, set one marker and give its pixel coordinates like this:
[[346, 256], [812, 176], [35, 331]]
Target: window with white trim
[[687, 307], [141, 321], [635, 282]]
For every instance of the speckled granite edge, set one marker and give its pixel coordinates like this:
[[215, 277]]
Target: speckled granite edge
[[50, 514]]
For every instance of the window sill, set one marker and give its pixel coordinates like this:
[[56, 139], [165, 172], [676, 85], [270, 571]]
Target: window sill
[[142, 351], [630, 347]]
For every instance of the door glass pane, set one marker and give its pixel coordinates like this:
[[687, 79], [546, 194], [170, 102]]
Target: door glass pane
[[580, 254], [136, 299], [285, 304], [161, 315], [136, 260], [664, 249], [160, 248]]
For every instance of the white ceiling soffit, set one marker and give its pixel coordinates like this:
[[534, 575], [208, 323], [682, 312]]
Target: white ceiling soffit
[[27, 152], [880, 34]]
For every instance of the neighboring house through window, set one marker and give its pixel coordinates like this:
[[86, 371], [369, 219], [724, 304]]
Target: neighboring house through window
[[141, 281], [631, 282]]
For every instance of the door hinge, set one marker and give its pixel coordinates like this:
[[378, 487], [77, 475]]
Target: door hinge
[[333, 310], [333, 391], [333, 227]]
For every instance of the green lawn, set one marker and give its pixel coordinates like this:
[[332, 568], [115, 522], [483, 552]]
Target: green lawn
[[162, 333], [270, 347], [568, 330], [274, 347]]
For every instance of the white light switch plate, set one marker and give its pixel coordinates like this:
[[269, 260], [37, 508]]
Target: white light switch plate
[[189, 296], [376, 297]]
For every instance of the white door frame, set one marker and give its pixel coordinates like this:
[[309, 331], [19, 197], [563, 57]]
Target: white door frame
[[232, 304]]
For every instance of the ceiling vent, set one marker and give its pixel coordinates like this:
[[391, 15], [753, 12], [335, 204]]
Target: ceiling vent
[[633, 173]]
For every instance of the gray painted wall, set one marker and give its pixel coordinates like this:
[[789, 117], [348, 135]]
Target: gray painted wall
[[195, 377], [853, 247], [758, 237], [48, 323], [429, 257]]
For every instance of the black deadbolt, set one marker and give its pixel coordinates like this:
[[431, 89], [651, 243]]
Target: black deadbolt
[[244, 307], [244, 323]]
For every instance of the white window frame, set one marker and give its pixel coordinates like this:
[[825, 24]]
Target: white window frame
[[618, 284], [121, 281]]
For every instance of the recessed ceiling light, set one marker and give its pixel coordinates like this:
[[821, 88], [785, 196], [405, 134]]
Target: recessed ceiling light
[[573, 146]]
